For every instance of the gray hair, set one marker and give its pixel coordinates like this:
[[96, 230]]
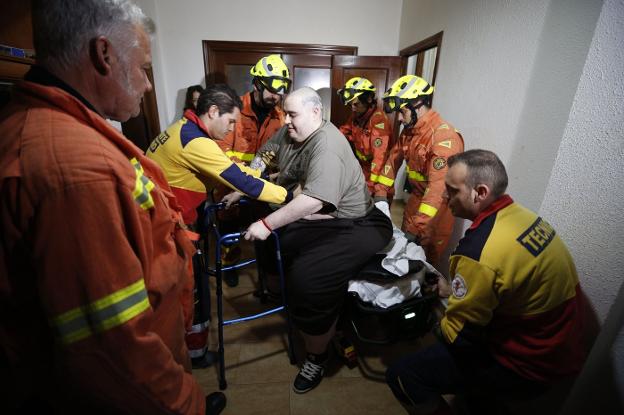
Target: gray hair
[[484, 167], [309, 97], [63, 29]]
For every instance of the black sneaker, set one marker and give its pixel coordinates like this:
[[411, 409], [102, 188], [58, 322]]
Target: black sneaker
[[231, 278], [215, 403], [309, 377]]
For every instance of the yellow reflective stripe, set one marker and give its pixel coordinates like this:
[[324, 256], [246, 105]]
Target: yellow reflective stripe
[[414, 175], [362, 156], [427, 210], [142, 186], [239, 155], [104, 314], [385, 181]]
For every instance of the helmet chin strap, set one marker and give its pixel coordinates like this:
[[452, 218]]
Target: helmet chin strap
[[260, 88], [414, 115]]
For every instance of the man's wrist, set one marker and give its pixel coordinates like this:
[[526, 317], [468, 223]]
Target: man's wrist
[[266, 225]]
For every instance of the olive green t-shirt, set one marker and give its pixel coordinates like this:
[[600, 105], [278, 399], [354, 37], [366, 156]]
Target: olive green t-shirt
[[326, 168]]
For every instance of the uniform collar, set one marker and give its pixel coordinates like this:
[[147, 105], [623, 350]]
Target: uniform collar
[[192, 116], [363, 119], [41, 76], [498, 204]]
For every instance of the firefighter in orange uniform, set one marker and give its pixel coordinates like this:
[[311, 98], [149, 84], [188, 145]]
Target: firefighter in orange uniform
[[260, 117], [369, 131], [425, 144]]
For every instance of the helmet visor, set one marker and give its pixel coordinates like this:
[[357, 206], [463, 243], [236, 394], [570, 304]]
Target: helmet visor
[[348, 94], [276, 84], [392, 104]]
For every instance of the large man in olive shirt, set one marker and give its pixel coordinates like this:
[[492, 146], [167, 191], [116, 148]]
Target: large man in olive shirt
[[327, 232]]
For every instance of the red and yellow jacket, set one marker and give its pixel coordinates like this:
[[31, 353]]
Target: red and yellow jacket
[[515, 281], [371, 136], [242, 144], [425, 149], [194, 165], [92, 264]]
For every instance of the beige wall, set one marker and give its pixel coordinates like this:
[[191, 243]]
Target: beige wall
[[182, 25]]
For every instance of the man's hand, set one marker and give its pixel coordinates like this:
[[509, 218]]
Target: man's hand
[[231, 198], [442, 287], [257, 231]]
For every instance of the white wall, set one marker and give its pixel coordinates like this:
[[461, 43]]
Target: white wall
[[583, 202], [182, 25], [540, 83]]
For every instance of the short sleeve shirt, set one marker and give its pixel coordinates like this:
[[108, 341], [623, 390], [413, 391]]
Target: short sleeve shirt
[[325, 167]]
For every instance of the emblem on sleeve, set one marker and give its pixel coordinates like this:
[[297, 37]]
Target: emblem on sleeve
[[380, 126], [439, 163], [377, 142], [458, 286]]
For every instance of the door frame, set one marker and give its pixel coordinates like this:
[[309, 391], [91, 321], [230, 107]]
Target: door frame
[[212, 48], [423, 45]]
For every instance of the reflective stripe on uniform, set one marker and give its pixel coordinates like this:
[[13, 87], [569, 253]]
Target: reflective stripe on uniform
[[240, 155], [142, 186], [104, 314], [381, 179], [414, 175], [362, 156], [427, 209]]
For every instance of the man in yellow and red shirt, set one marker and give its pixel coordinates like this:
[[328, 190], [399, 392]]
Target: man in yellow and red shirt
[[514, 322], [426, 142], [370, 133]]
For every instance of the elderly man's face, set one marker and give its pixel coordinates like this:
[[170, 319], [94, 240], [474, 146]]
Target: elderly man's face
[[302, 120], [132, 78]]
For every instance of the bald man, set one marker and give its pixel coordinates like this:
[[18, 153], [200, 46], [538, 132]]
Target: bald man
[[327, 232]]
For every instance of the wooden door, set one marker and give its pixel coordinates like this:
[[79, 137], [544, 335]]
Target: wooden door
[[314, 71], [380, 70]]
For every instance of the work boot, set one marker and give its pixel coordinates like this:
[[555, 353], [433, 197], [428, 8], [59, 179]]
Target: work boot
[[309, 377], [215, 403]]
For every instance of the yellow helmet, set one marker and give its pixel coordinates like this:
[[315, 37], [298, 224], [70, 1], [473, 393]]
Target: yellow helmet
[[272, 72], [404, 90], [355, 87]]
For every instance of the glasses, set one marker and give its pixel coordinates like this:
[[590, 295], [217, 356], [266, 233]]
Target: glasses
[[276, 84]]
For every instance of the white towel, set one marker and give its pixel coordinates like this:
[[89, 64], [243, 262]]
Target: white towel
[[398, 253]]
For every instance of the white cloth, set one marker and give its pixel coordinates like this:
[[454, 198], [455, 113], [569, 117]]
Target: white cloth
[[398, 253]]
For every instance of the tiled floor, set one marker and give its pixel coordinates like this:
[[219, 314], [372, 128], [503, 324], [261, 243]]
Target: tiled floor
[[260, 376]]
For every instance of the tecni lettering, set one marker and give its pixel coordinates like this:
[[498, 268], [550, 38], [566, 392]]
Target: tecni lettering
[[537, 237]]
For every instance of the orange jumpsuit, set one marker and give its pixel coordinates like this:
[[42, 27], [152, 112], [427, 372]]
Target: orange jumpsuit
[[247, 137], [371, 135], [92, 265], [425, 148]]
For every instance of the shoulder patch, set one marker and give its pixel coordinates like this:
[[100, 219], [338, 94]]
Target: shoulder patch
[[459, 287], [443, 127], [380, 125], [446, 143], [439, 163], [377, 142]]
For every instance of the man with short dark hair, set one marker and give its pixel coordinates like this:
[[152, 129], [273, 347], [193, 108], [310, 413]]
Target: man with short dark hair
[[194, 164], [514, 321], [327, 232], [93, 251]]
